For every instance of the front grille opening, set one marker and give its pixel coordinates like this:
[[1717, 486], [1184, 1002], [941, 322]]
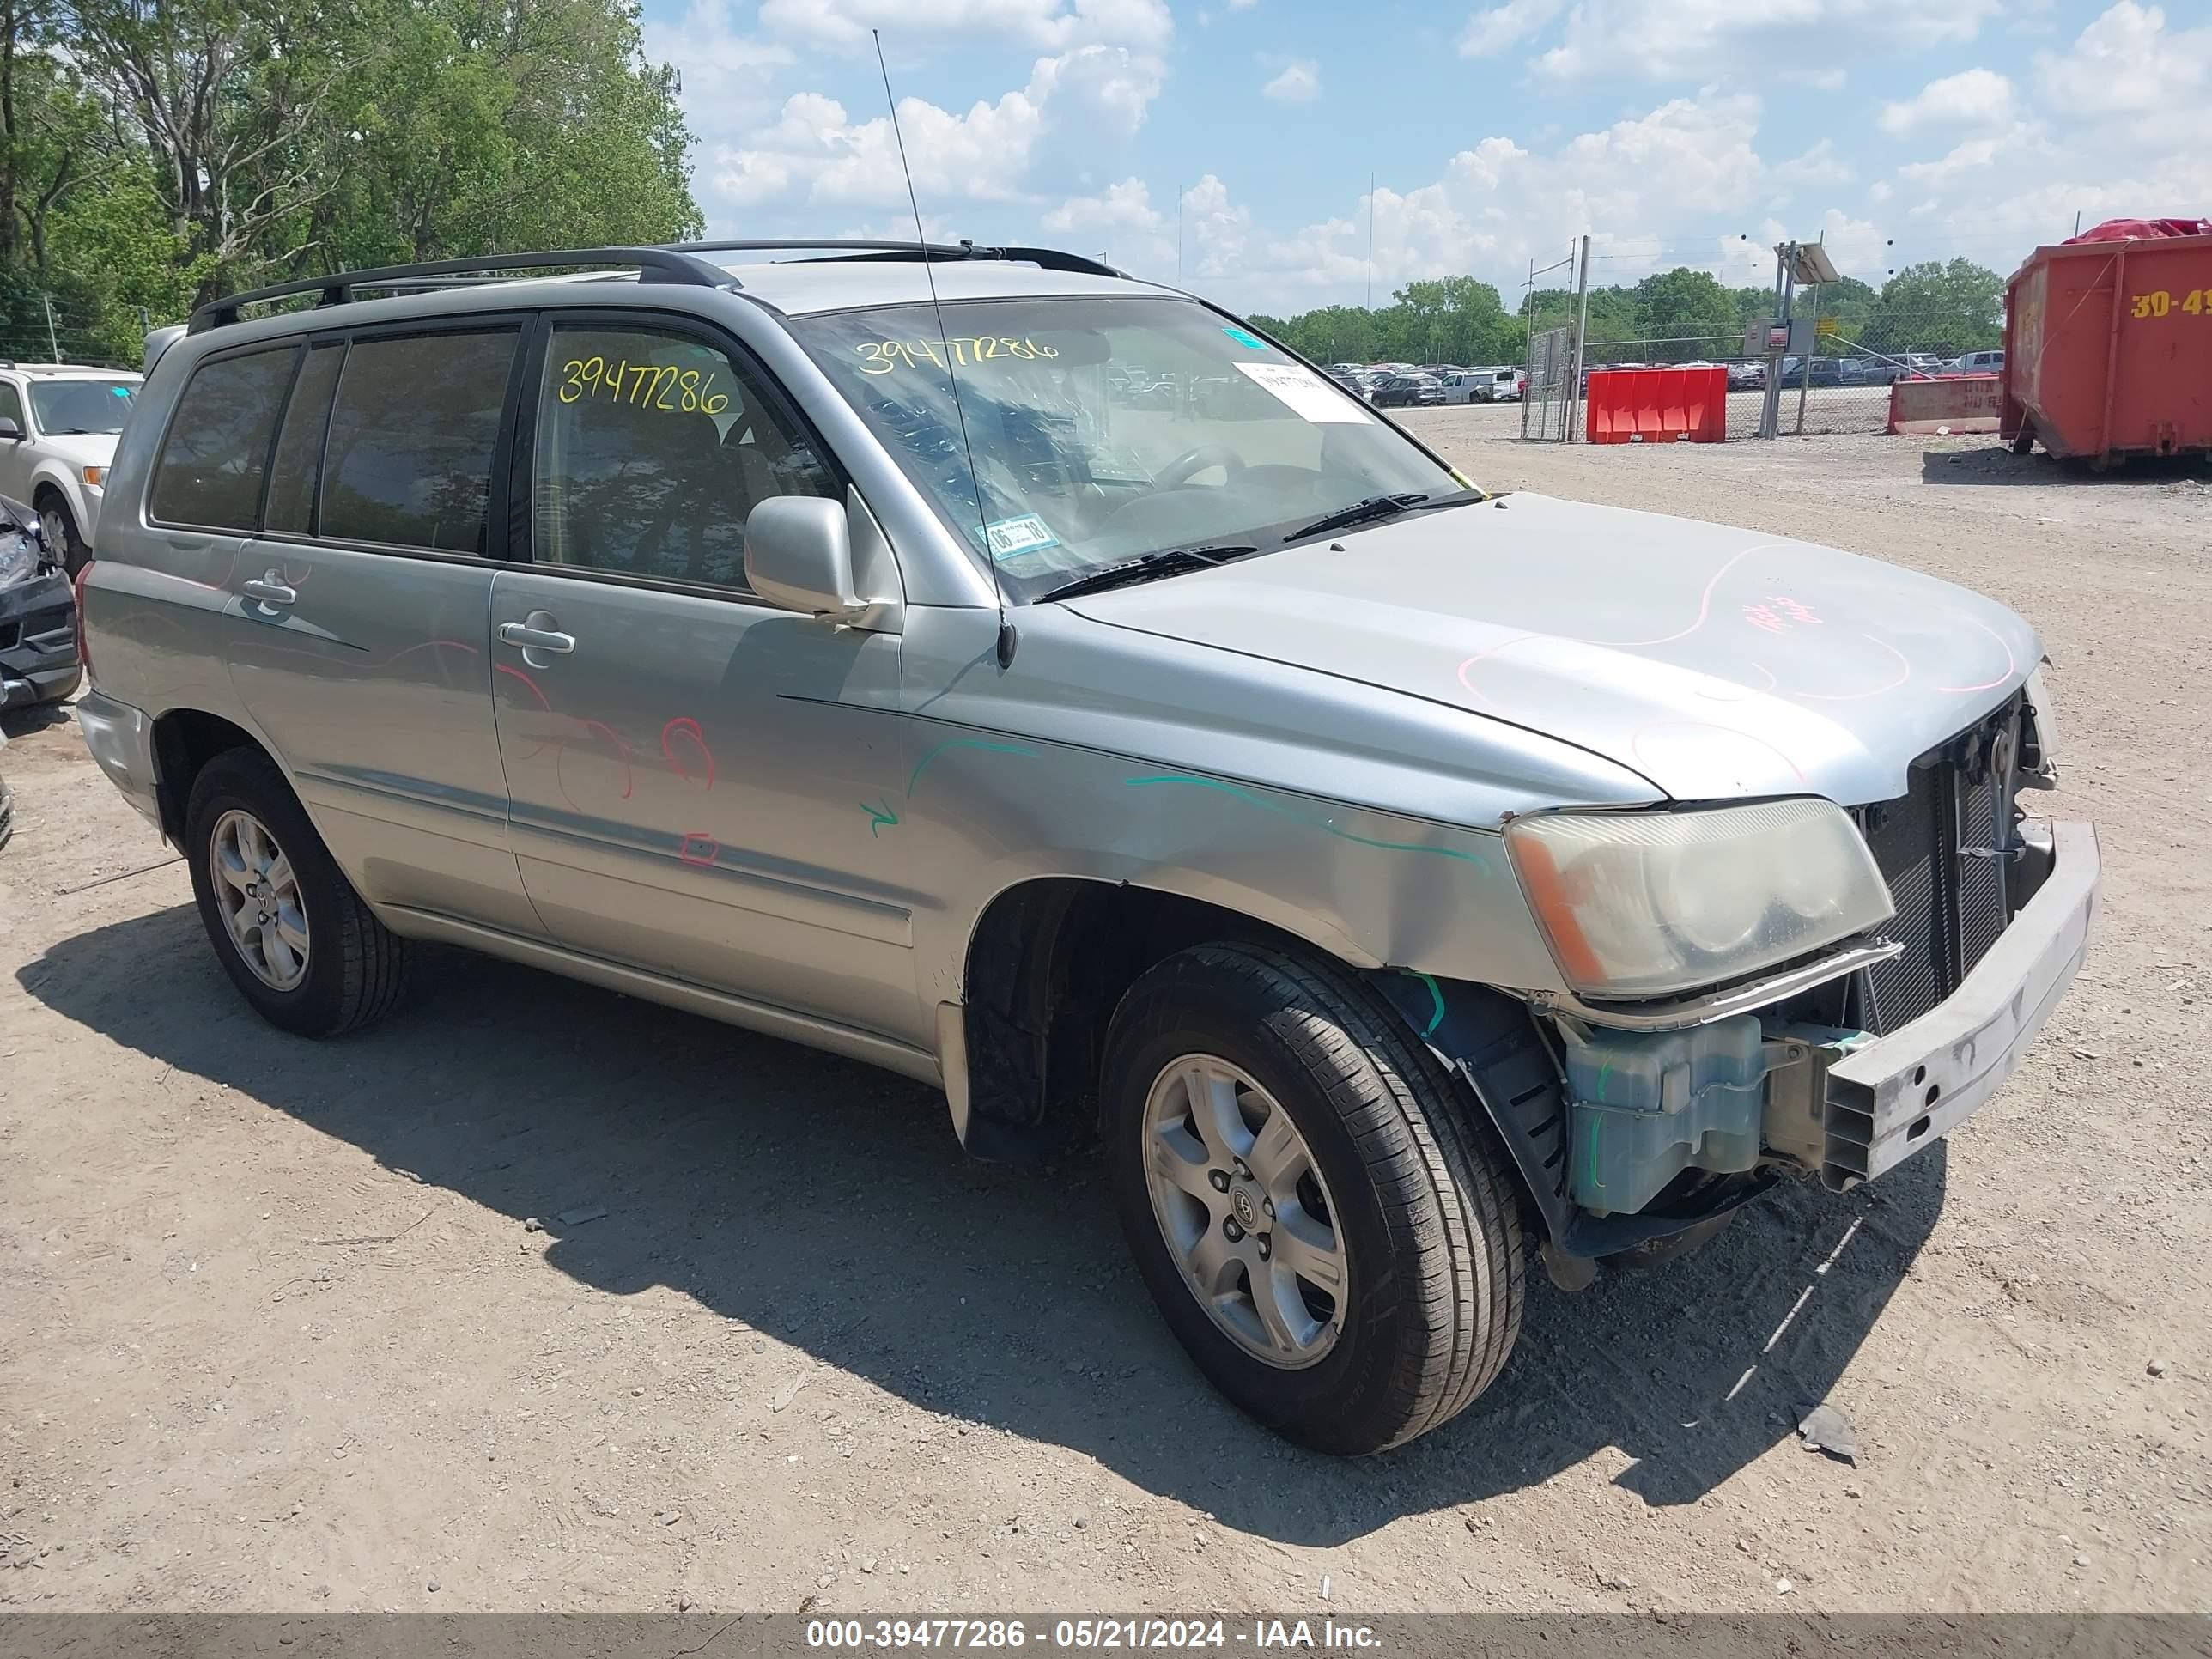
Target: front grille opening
[[1944, 848]]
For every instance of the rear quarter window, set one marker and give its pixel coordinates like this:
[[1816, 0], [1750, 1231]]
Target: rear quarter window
[[408, 461], [217, 455]]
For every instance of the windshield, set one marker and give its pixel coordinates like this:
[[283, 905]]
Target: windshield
[[73, 406], [1104, 429]]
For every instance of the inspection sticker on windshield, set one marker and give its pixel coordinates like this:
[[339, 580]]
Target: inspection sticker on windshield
[[1307, 394], [1009, 538]]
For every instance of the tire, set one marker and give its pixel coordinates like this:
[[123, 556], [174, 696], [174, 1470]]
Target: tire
[[353, 969], [58, 524], [1415, 1188]]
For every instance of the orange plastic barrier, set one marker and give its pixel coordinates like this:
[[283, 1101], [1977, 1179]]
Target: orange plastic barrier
[[1659, 405], [1965, 402]]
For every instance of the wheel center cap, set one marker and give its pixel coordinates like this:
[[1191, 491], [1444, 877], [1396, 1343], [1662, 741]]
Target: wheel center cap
[[1244, 1205]]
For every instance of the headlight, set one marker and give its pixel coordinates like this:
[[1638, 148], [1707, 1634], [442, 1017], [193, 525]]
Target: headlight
[[1647, 904], [19, 555]]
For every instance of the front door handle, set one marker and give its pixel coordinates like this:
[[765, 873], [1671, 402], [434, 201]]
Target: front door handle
[[528, 638], [271, 589]]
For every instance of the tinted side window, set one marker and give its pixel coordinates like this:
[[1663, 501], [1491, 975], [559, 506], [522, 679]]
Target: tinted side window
[[217, 452], [299, 465], [651, 450], [409, 455], [11, 405]]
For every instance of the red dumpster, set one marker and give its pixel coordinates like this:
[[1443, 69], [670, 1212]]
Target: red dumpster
[[1661, 405], [2108, 349]]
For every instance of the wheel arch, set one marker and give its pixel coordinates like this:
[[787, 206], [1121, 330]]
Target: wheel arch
[[1048, 960], [184, 741]]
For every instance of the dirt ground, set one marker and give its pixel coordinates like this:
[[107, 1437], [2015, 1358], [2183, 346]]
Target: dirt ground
[[297, 1327]]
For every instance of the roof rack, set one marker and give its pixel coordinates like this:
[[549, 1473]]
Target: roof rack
[[848, 248], [672, 262], [653, 264]]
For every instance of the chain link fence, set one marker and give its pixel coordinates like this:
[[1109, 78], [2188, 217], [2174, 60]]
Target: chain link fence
[[37, 325], [1547, 402]]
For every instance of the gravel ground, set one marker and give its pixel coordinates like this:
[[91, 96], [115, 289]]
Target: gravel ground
[[291, 1327]]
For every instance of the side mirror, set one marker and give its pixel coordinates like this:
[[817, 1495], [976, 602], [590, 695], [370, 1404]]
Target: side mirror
[[9, 432], [798, 555]]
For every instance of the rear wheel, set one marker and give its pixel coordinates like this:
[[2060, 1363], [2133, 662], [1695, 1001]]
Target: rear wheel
[[287, 926], [1321, 1213]]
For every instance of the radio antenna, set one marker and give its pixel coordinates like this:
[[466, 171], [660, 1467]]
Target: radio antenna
[[1007, 637]]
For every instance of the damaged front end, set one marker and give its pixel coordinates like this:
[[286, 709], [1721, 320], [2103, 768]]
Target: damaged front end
[[1635, 1123]]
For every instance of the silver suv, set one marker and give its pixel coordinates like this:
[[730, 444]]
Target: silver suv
[[1398, 880]]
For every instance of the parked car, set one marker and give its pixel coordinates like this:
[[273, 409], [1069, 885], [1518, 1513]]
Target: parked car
[[58, 424], [1864, 371], [1481, 385], [1748, 375], [1921, 365], [1978, 363], [38, 614], [666, 635], [1405, 391], [1825, 371]]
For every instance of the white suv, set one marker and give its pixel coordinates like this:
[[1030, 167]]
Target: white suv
[[58, 424]]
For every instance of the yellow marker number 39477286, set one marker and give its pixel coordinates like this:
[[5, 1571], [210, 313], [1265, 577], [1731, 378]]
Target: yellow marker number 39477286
[[2198, 302]]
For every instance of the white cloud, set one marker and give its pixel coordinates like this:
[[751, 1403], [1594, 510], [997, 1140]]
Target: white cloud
[[1971, 98], [1493, 31], [726, 76], [1688, 39], [1126, 206], [1048, 25], [2128, 62], [1084, 98], [1817, 167], [1298, 83]]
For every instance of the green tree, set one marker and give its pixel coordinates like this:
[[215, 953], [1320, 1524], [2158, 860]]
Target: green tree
[[1939, 306], [1686, 314]]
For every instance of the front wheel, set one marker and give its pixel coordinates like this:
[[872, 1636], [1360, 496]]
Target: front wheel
[[57, 529], [1321, 1214]]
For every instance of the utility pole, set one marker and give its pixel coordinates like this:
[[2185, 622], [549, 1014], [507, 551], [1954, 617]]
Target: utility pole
[[1769, 413], [1581, 330], [1370, 303], [53, 344]]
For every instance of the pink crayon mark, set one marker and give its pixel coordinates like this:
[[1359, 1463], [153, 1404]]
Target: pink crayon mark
[[1793, 609], [1904, 673], [699, 847], [2011, 664], [1760, 616], [684, 726], [536, 690], [431, 645]]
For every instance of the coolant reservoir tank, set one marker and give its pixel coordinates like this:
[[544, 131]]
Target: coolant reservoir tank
[[1650, 1104]]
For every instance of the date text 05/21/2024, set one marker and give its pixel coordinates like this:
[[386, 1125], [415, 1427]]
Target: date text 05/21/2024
[[866, 1635]]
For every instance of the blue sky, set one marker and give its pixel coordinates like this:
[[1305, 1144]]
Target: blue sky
[[1243, 132]]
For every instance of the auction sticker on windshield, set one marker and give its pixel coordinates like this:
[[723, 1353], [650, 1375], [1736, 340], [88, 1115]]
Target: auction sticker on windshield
[[1009, 538], [1306, 394]]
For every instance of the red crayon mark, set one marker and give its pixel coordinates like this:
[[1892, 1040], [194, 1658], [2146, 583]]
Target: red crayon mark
[[542, 703], [684, 726], [699, 848], [622, 750]]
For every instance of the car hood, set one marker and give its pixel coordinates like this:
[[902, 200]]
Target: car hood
[[95, 449], [1717, 663]]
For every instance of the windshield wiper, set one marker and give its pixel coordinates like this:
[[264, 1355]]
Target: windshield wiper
[[1167, 561], [1383, 507]]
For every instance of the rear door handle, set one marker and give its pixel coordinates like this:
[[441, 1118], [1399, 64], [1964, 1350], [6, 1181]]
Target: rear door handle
[[270, 590], [533, 639]]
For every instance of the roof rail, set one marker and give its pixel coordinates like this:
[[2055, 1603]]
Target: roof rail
[[1047, 259], [653, 264]]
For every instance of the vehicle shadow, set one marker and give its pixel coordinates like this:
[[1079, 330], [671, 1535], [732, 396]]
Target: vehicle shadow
[[34, 717], [1996, 463], [827, 1204]]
